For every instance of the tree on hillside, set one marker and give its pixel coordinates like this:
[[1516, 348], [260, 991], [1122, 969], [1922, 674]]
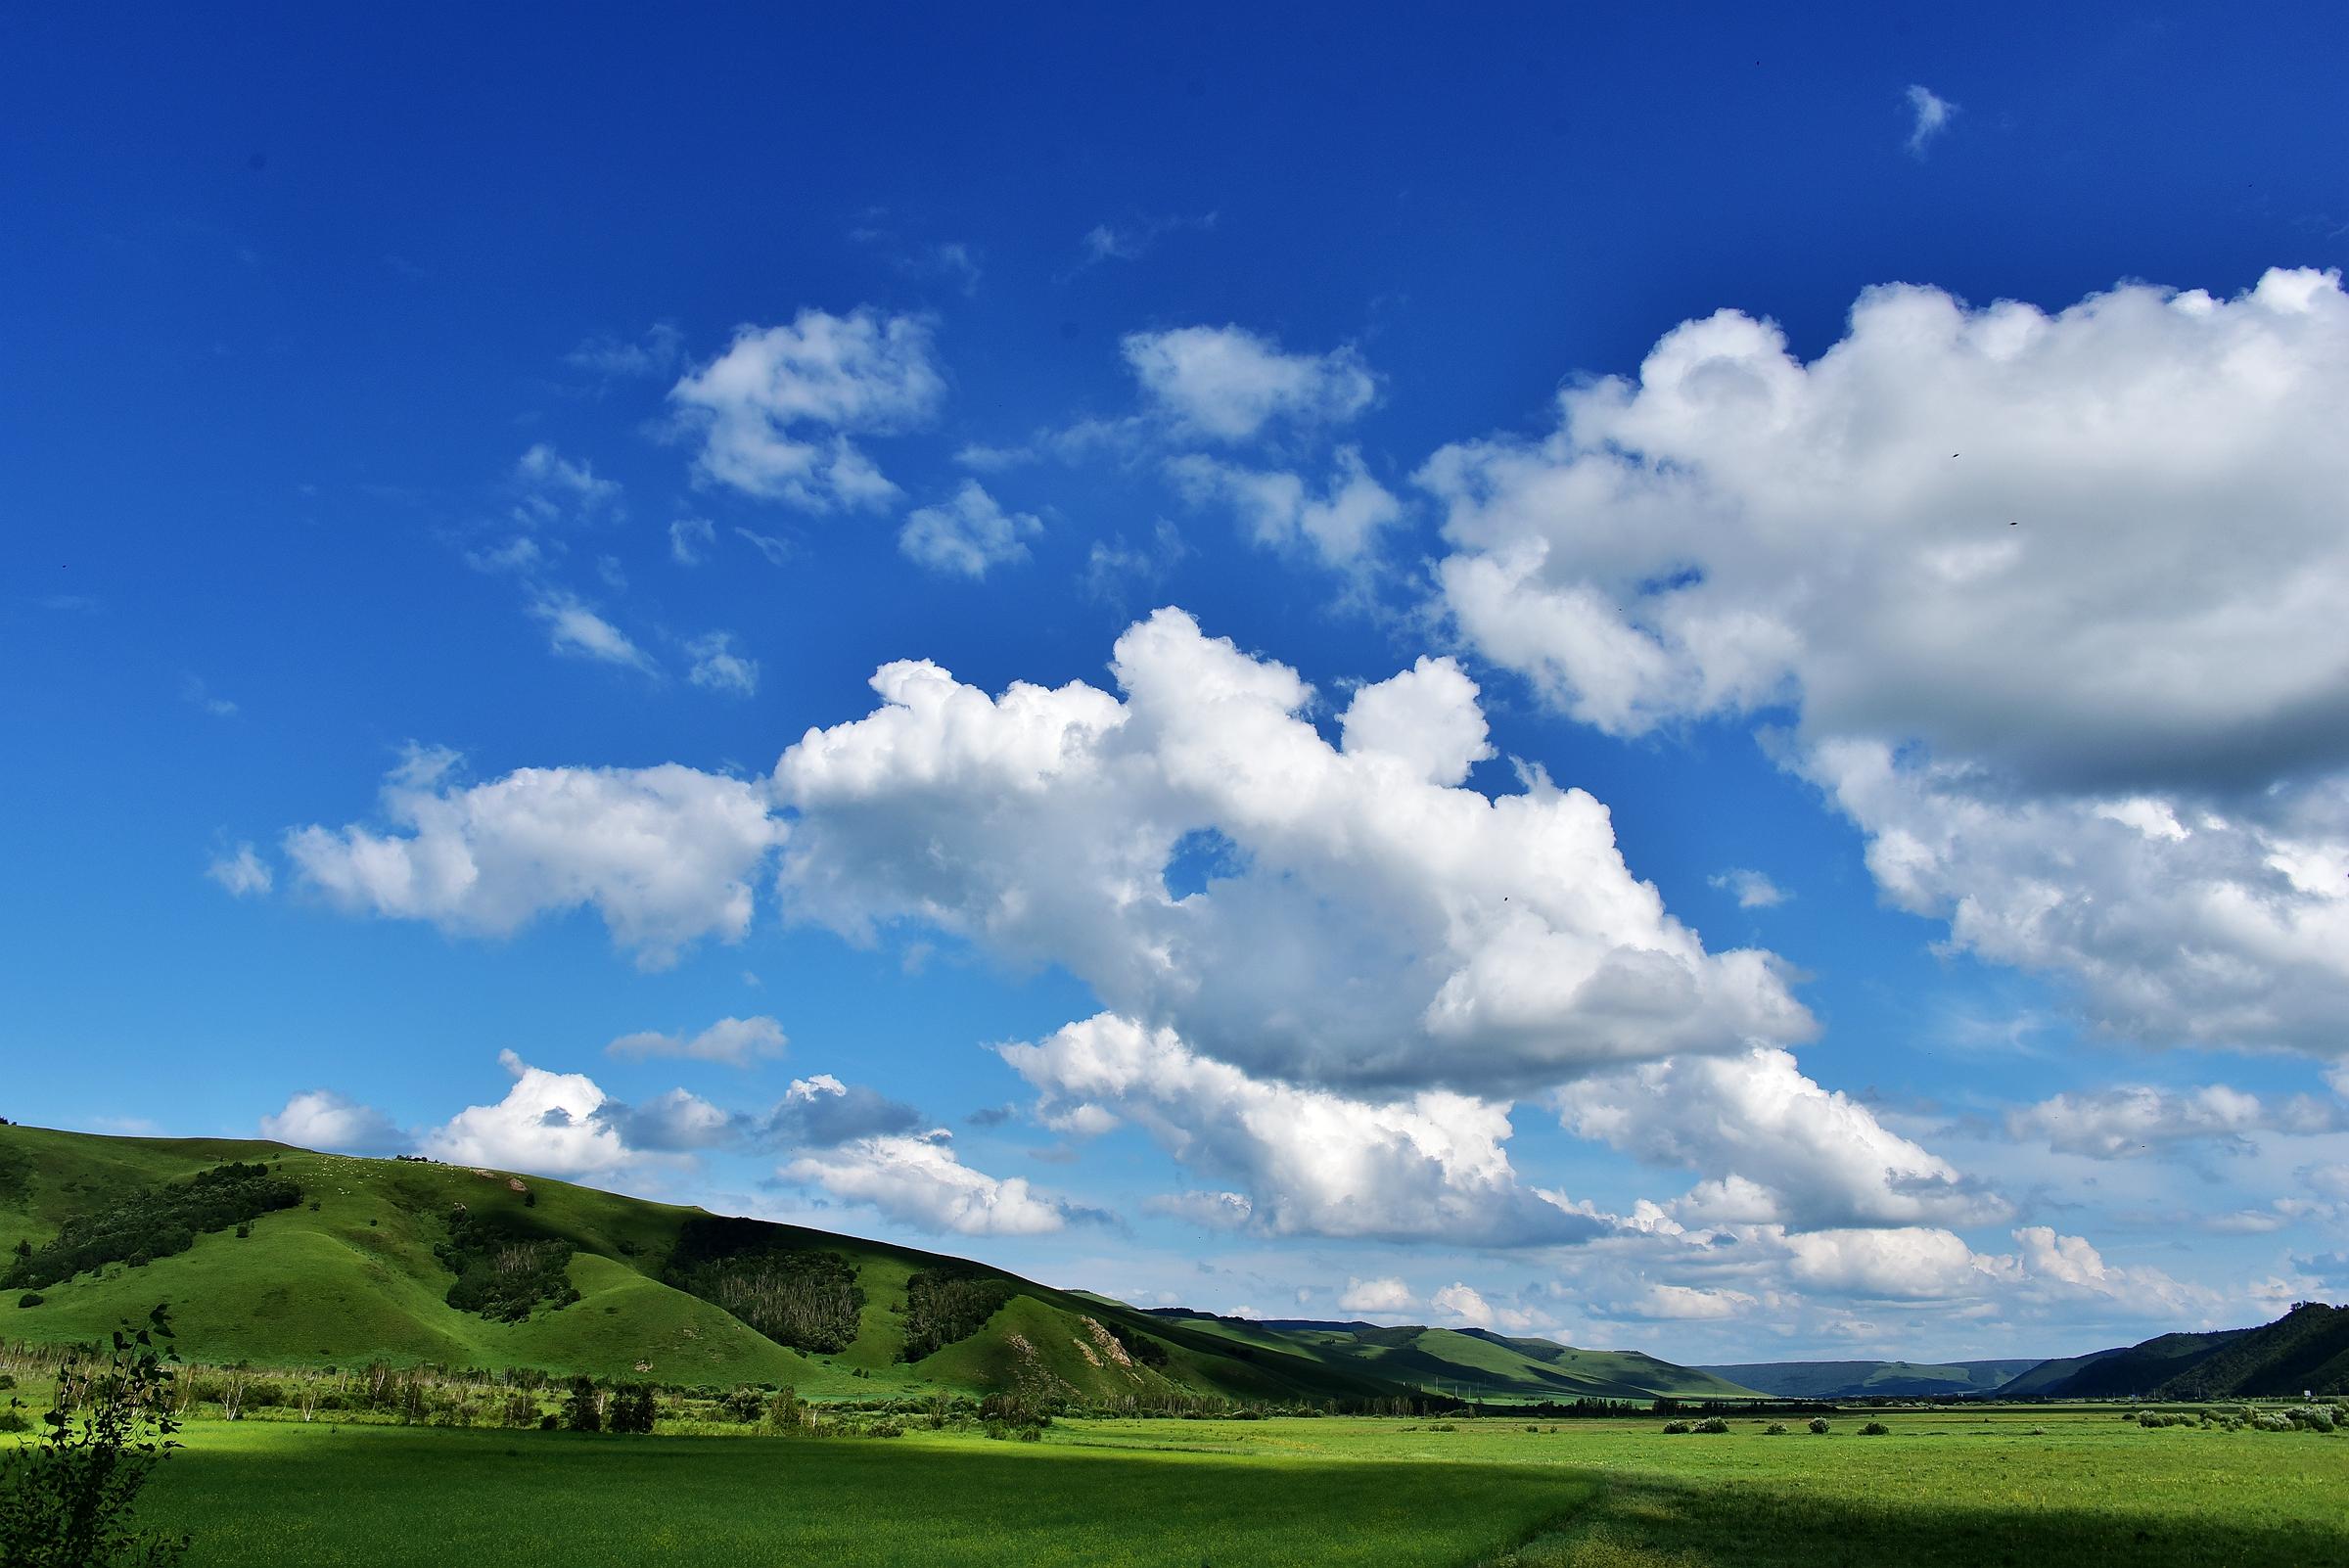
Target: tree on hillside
[[66, 1500]]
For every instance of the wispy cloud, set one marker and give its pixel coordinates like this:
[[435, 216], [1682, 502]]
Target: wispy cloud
[[1933, 114]]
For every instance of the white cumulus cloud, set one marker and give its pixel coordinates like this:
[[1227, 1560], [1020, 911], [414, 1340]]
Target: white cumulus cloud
[[321, 1118], [664, 853], [920, 1181], [1228, 384], [2049, 596], [735, 1042], [966, 534], [776, 412]]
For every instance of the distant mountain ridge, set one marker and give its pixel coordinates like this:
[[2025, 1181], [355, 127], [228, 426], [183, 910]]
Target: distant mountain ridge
[[1472, 1364], [1851, 1380]]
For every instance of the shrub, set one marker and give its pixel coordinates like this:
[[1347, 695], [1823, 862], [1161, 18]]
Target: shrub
[[67, 1499], [1032, 1433], [632, 1410], [31, 1298], [580, 1411], [1818, 1423], [1713, 1424], [12, 1420], [1675, 1428], [1775, 1429], [1875, 1429]]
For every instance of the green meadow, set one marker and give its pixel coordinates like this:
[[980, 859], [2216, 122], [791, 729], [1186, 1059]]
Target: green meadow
[[1951, 1487]]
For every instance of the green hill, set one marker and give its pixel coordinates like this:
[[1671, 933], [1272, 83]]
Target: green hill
[[1472, 1362], [2121, 1372], [2306, 1350], [352, 1273], [1855, 1380], [284, 1257]]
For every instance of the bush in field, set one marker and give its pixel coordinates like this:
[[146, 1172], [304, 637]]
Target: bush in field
[[521, 1411], [66, 1502], [1775, 1429], [1818, 1423], [31, 1298], [1875, 1429], [785, 1413], [581, 1410], [1713, 1424], [1675, 1428], [632, 1410]]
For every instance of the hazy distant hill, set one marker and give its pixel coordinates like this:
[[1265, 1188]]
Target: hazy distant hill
[[345, 1261], [1472, 1362], [1851, 1380]]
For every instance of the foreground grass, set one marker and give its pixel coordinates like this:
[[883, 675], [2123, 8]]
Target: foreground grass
[[1955, 1488], [259, 1494]]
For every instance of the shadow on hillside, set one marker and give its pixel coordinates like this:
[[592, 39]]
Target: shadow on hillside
[[1649, 1522]]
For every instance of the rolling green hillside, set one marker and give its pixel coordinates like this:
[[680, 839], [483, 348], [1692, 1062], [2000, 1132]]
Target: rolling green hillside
[[350, 1274], [1473, 1363], [2306, 1349], [2123, 1370], [1855, 1380], [361, 1265]]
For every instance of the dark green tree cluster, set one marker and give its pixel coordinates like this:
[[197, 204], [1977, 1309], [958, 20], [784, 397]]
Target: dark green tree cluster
[[632, 1411], [946, 1305], [153, 1222], [501, 1274], [587, 1409], [805, 1299], [66, 1502]]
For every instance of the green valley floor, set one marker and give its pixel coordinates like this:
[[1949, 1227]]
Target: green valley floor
[[1943, 1487]]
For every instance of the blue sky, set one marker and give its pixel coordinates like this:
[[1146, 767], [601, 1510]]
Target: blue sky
[[1578, 814]]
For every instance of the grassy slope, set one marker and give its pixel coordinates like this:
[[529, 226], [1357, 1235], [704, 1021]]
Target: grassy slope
[[2306, 1349], [1826, 1380], [356, 1280]]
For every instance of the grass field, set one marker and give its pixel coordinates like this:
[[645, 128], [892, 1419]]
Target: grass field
[[1955, 1488]]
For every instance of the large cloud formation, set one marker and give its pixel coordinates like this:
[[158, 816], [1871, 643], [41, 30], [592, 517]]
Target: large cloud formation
[[1432, 1166], [2052, 598], [1370, 920]]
